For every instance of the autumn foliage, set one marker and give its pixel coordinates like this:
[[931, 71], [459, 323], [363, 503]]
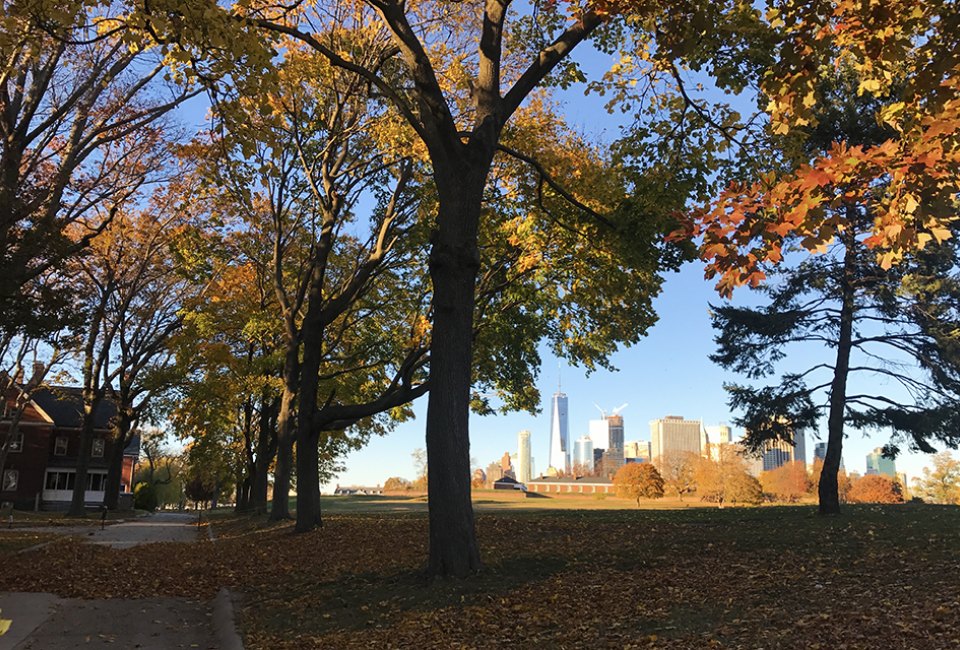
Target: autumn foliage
[[638, 480], [788, 482], [875, 488]]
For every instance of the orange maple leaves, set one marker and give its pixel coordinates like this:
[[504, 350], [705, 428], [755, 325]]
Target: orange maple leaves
[[908, 184]]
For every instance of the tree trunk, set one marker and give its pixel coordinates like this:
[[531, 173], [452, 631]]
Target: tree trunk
[[77, 507], [454, 263], [111, 491], [266, 448], [286, 421], [828, 489], [308, 474]]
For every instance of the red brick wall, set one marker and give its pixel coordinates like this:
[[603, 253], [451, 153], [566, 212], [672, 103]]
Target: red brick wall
[[31, 464]]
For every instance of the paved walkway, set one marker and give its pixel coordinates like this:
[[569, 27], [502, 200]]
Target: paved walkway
[[159, 527], [47, 622]]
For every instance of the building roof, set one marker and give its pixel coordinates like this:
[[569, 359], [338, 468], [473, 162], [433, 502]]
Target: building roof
[[507, 479], [64, 405], [580, 480]]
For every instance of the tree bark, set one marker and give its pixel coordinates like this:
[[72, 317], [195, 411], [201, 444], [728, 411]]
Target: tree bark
[[77, 502], [828, 488], [286, 421], [111, 491], [266, 448], [454, 263]]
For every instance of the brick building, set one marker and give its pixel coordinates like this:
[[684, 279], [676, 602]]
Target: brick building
[[41, 463]]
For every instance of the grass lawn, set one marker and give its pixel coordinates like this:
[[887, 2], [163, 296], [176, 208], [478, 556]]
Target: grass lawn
[[610, 576]]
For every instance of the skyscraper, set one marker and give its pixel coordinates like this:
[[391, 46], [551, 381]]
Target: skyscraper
[[607, 432], [673, 434], [559, 433], [524, 469], [820, 451], [583, 453], [777, 453], [877, 464]]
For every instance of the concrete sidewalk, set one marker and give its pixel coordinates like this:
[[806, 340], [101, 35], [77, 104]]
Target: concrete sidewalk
[[158, 527], [47, 622]]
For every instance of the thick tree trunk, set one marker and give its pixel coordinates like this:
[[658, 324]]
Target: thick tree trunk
[[77, 507], [454, 263], [286, 421], [308, 474], [266, 448], [111, 491], [828, 489]]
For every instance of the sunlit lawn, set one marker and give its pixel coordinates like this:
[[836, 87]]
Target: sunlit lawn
[[611, 576]]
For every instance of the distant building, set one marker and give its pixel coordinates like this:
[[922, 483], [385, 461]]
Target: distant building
[[636, 452], [357, 490], [607, 432], [559, 433], [719, 434], [820, 452], [878, 464], [524, 460], [494, 472], [673, 434], [583, 485], [583, 453], [612, 461], [777, 453]]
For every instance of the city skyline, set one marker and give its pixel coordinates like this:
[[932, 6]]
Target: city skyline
[[667, 373]]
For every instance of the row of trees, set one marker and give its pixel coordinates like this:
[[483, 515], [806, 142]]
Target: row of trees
[[388, 204], [727, 481]]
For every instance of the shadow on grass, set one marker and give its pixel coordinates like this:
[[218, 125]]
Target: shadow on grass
[[359, 601]]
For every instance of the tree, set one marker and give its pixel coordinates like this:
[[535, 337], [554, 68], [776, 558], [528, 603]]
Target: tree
[[677, 470], [788, 483], [743, 488], [725, 479], [909, 178], [135, 290], [875, 488], [636, 480], [396, 484], [298, 175], [83, 132], [848, 300], [941, 483]]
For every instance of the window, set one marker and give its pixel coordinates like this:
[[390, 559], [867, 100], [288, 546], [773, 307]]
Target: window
[[97, 448], [10, 479], [60, 446], [60, 480], [16, 443], [96, 482]]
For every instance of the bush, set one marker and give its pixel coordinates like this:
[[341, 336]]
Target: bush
[[144, 497]]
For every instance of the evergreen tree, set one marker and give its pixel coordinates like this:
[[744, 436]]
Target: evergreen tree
[[897, 324]]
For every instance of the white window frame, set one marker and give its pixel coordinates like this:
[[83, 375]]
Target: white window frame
[[99, 444], [15, 445], [10, 484], [57, 449]]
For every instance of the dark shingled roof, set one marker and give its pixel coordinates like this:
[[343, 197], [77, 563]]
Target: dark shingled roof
[[65, 405]]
